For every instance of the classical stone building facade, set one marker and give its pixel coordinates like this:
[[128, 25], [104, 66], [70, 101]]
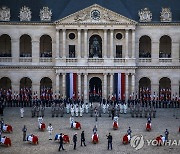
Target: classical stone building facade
[[92, 39]]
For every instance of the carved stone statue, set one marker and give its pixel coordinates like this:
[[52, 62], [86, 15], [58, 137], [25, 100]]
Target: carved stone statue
[[96, 47], [145, 15], [166, 15], [4, 14], [45, 14], [25, 14]]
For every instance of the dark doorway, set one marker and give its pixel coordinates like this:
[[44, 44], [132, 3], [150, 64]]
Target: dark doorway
[[95, 89]]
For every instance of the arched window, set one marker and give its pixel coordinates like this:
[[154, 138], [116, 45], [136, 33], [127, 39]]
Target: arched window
[[145, 47], [5, 46], [45, 46], [95, 46], [25, 46], [25, 83], [165, 47]]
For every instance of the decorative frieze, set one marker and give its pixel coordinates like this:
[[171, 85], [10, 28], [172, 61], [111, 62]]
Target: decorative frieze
[[145, 15], [25, 14], [5, 13], [45, 14], [166, 15]]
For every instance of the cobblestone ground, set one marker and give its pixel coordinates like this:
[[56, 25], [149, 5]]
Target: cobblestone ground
[[163, 120]]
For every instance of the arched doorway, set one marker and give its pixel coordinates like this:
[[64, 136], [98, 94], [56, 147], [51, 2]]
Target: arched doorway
[[144, 88], [95, 89], [95, 46], [165, 88], [5, 83], [46, 85], [25, 83]]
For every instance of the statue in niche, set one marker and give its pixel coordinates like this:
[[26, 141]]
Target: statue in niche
[[95, 47]]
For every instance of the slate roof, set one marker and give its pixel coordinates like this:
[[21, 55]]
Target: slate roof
[[63, 8]]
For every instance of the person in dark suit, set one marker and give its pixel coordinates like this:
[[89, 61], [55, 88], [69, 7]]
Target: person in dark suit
[[109, 138], [75, 140], [61, 142], [24, 130], [83, 138]]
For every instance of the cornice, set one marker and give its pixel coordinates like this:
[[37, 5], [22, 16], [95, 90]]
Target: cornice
[[27, 23], [89, 67], [159, 24]]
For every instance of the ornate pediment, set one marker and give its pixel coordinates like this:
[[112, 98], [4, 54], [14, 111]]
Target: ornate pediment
[[145, 15], [96, 14], [166, 15], [45, 14], [5, 13], [25, 14]]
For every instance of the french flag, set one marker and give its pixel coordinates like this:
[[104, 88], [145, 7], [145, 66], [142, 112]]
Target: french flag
[[71, 85], [119, 86]]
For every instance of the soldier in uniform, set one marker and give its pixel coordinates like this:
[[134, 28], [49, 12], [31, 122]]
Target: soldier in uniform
[[72, 110], [140, 111], [77, 110], [57, 108], [154, 112], [104, 107], [53, 109], [100, 110], [37, 110], [91, 110], [125, 107], [42, 109], [33, 111], [145, 112], [81, 110], [121, 107], [62, 109], [87, 108]]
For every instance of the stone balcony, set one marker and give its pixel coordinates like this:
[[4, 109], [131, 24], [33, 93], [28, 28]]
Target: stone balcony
[[144, 60], [25, 59], [45, 59], [165, 60], [5, 59]]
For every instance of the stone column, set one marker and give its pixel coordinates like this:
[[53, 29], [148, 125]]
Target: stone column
[[35, 51], [127, 86], [64, 84], [175, 51], [85, 44], [105, 85], [15, 51], [79, 44], [57, 43], [133, 83], [105, 43], [111, 84], [64, 44], [133, 43], [85, 88], [57, 83], [127, 40], [79, 84], [111, 43]]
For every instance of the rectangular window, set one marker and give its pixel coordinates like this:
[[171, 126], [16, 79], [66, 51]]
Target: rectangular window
[[118, 51], [71, 51]]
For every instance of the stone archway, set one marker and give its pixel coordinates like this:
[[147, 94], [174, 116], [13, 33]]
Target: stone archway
[[95, 89]]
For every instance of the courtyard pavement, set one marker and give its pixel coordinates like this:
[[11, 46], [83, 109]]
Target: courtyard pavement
[[163, 120]]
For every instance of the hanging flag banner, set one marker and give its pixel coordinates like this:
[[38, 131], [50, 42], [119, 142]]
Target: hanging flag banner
[[71, 85], [119, 86]]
